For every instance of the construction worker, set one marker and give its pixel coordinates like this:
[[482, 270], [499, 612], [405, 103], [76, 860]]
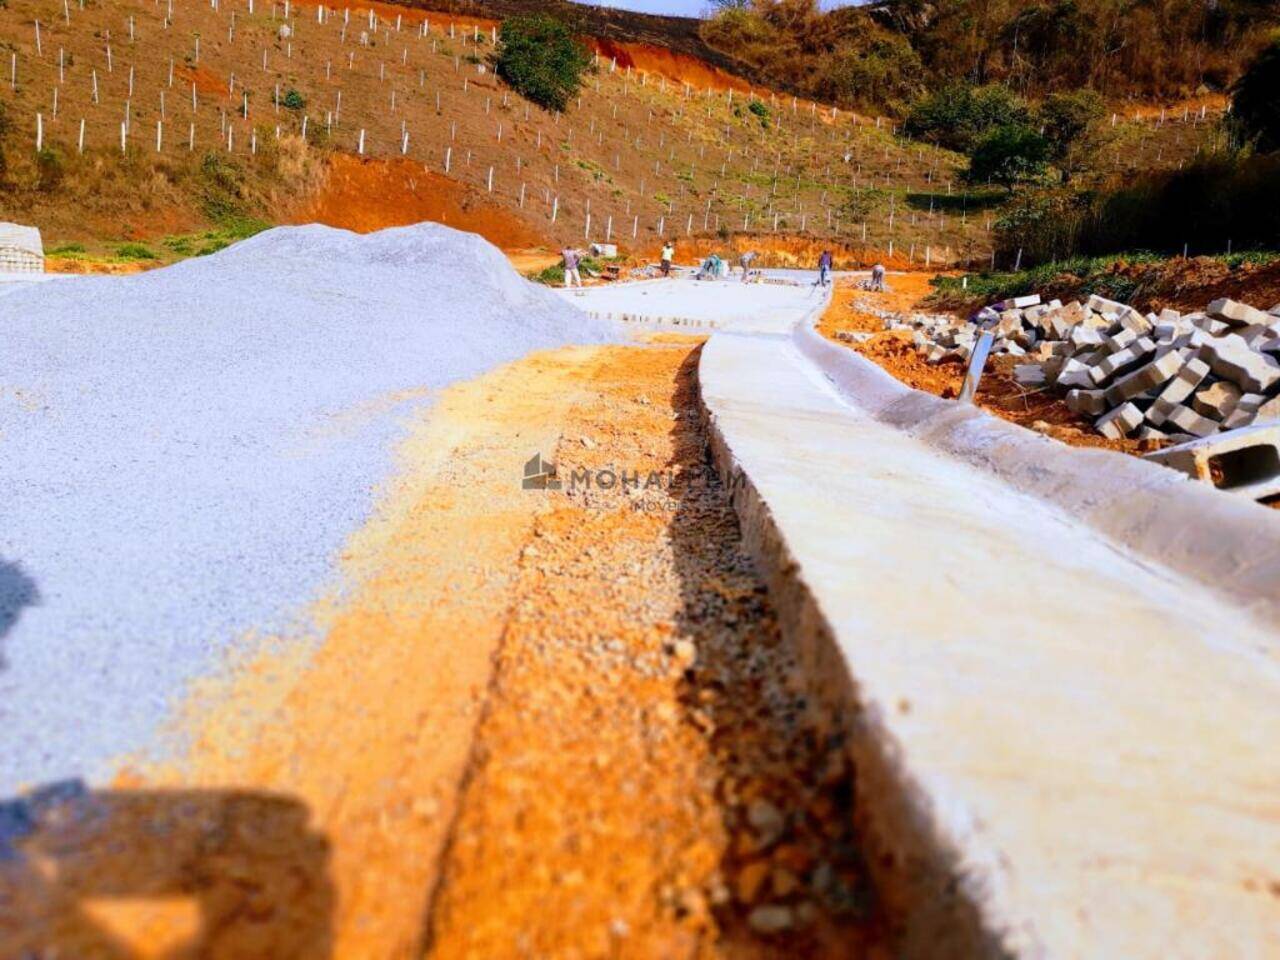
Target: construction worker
[[824, 267], [668, 254], [745, 262], [571, 260], [877, 278]]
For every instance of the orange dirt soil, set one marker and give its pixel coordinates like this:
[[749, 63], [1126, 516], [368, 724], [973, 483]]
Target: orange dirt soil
[[367, 194], [678, 67], [998, 393], [643, 776]]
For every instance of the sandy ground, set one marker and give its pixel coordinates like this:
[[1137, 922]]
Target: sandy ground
[[643, 780], [998, 392]]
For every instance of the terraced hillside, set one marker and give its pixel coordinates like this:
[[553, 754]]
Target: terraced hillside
[[179, 125]]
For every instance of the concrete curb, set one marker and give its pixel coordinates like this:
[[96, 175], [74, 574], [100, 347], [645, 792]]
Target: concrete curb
[[936, 882], [1225, 543]]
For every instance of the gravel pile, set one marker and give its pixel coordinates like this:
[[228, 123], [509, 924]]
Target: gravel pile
[[183, 452], [1168, 376]]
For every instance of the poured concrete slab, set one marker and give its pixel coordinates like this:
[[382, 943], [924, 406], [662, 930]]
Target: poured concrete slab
[[701, 305], [1084, 741]]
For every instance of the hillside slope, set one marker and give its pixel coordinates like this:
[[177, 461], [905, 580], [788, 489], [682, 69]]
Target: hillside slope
[[184, 126]]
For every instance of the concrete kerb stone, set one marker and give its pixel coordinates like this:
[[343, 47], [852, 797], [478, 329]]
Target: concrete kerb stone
[[1155, 513], [1225, 543], [920, 873]]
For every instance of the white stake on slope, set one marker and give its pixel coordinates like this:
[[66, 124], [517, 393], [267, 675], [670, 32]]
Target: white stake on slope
[[490, 189], [124, 133], [39, 132], [159, 134], [360, 148], [191, 137], [448, 158], [80, 142], [404, 141], [39, 48]]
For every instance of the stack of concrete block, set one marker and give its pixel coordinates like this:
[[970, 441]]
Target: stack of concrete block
[[1157, 376]]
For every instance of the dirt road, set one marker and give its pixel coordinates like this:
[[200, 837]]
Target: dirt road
[[542, 723]]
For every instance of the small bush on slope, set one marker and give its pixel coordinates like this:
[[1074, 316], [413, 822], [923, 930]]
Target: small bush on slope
[[541, 59]]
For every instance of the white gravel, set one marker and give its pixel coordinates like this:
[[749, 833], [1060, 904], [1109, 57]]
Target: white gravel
[[182, 453]]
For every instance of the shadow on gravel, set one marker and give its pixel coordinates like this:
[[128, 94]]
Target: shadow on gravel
[[795, 880], [120, 874], [17, 591]]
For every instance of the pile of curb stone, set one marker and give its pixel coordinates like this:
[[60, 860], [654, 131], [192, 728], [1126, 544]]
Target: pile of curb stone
[[1160, 376]]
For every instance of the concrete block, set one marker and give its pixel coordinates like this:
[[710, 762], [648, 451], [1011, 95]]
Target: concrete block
[[1082, 336], [1215, 328], [1179, 388], [1150, 377], [1217, 400], [1168, 315], [1120, 422], [1115, 342], [1121, 361], [1245, 412], [1029, 375], [1244, 462], [1230, 358], [1269, 411], [1099, 304], [1188, 421], [1021, 303], [1135, 322], [1074, 374], [1086, 402], [1237, 314]]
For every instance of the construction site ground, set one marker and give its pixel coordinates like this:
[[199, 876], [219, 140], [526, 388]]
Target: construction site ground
[[580, 736]]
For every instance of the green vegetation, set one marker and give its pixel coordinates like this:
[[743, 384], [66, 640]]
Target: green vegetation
[[553, 276], [883, 54], [758, 108], [1008, 155], [958, 115], [50, 170], [1255, 103], [134, 251], [541, 59], [211, 241], [1071, 124], [1221, 202], [293, 100], [222, 187], [844, 56], [1125, 277]]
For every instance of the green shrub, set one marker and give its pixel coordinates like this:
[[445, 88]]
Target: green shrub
[[49, 170], [541, 59], [1070, 121], [958, 115], [221, 187], [1219, 201], [1255, 101], [293, 100], [134, 251], [1008, 155]]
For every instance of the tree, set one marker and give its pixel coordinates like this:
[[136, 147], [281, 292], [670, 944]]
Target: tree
[[958, 115], [1070, 121], [541, 59], [1255, 101], [1008, 155]]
